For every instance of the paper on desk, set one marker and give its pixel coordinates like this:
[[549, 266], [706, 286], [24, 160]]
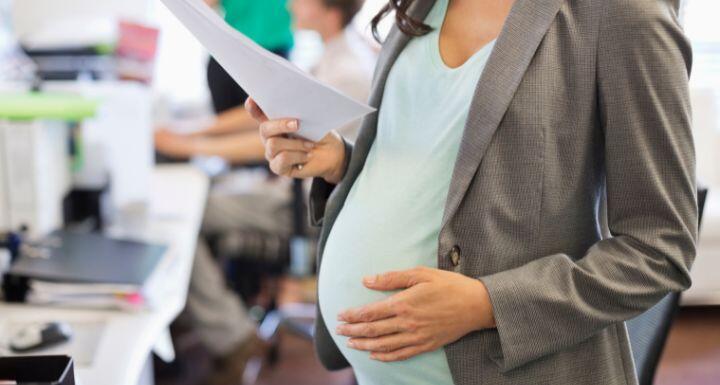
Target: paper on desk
[[279, 88]]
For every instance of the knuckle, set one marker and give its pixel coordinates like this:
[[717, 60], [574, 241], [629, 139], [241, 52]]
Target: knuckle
[[351, 316], [402, 308], [274, 166], [410, 326], [364, 315], [395, 301], [417, 338], [430, 341], [366, 330], [274, 170], [386, 357], [271, 145], [282, 167], [265, 128]]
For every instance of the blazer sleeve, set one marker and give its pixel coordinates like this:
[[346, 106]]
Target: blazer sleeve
[[320, 191], [558, 301]]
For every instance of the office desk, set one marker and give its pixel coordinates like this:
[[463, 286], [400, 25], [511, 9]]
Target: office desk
[[172, 217]]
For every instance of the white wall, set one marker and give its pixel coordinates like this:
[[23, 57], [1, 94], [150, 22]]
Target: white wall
[[180, 68], [701, 26]]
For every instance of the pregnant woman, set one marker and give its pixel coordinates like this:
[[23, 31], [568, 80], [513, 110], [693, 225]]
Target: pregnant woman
[[465, 240]]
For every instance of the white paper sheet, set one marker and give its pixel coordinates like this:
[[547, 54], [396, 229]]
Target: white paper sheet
[[279, 88]]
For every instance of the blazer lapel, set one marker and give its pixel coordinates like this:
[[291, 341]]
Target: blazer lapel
[[524, 29]]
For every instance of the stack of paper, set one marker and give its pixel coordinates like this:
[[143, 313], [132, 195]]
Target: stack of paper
[[83, 295], [91, 270], [279, 88]]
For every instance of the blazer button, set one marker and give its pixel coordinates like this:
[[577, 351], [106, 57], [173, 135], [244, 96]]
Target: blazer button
[[454, 255]]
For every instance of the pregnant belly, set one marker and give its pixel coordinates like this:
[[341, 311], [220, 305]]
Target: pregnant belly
[[356, 248]]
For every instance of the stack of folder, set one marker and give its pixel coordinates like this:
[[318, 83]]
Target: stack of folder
[[89, 270]]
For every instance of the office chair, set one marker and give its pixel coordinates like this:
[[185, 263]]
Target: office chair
[[649, 331], [295, 317], [255, 262]]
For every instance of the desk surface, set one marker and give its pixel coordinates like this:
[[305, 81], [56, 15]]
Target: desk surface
[[173, 217]]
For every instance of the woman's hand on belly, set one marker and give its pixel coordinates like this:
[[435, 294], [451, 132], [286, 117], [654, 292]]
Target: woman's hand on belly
[[434, 308]]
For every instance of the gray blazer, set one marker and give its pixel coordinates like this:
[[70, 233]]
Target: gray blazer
[[580, 100]]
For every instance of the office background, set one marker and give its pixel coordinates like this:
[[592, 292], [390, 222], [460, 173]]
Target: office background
[[179, 90]]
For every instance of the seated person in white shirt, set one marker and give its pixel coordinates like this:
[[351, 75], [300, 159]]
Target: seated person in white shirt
[[346, 64], [217, 314]]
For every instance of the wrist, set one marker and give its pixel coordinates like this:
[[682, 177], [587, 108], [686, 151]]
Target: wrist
[[207, 130], [485, 318], [335, 175], [196, 146]]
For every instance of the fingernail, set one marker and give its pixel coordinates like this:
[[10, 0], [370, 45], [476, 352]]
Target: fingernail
[[373, 356], [293, 125], [340, 317], [369, 280], [338, 330], [351, 343], [309, 145]]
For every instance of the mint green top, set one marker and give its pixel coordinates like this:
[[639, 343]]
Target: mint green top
[[391, 218], [266, 22], [33, 105]]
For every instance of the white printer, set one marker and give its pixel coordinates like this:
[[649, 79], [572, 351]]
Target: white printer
[[114, 144], [35, 160]]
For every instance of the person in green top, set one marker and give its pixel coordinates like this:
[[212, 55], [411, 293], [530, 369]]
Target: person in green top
[[267, 23]]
